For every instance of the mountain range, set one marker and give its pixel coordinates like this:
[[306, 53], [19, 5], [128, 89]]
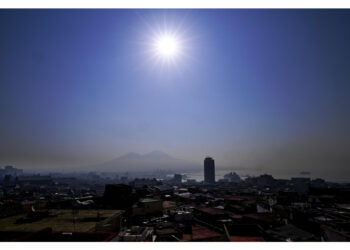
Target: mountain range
[[155, 160]]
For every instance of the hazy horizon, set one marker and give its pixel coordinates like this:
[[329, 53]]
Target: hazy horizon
[[254, 89]]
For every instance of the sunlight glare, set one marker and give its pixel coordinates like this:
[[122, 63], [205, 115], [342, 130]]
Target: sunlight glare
[[167, 46]]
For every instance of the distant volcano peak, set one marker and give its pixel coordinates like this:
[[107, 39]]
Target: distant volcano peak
[[157, 153], [155, 159]]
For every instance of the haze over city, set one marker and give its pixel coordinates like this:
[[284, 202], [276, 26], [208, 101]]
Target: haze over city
[[174, 125], [254, 89]]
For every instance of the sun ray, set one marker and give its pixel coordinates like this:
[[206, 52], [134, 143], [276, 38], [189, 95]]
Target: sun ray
[[166, 43]]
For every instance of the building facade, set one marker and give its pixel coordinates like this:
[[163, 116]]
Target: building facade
[[209, 170]]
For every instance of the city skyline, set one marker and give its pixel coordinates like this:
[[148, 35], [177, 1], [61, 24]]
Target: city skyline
[[174, 125], [255, 89]]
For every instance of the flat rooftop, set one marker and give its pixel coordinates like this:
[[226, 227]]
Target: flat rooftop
[[200, 232], [146, 200], [60, 220]]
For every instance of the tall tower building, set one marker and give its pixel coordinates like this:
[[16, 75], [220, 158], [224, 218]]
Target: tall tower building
[[209, 170]]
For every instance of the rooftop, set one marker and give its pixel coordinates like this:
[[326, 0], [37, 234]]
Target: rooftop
[[34, 178], [61, 220], [145, 200], [169, 204], [201, 233], [210, 210], [246, 238], [291, 232], [262, 217], [234, 198]]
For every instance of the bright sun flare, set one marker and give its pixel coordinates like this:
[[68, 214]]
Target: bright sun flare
[[167, 46]]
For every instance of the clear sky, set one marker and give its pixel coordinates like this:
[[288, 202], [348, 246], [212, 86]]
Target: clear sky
[[265, 89]]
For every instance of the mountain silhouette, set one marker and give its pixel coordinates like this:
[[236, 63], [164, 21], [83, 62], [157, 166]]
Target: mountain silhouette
[[155, 160]]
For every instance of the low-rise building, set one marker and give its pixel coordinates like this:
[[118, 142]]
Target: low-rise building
[[136, 233], [289, 232], [147, 206]]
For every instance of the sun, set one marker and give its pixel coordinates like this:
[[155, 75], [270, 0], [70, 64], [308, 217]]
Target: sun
[[167, 46]]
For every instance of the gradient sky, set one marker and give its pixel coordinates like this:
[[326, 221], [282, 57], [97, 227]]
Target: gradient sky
[[265, 89]]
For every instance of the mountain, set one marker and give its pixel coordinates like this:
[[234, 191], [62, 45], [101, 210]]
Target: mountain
[[131, 155], [155, 160]]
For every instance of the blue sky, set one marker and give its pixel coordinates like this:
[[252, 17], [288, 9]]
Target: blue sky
[[252, 88]]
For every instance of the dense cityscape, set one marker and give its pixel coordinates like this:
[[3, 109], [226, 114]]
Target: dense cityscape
[[108, 207], [174, 125]]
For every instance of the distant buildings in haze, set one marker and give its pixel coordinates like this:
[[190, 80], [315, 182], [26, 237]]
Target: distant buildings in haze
[[10, 170], [232, 177], [177, 178]]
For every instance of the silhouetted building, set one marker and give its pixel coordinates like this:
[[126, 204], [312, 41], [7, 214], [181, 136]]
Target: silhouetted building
[[209, 170], [162, 190], [191, 181], [9, 170], [148, 206], [262, 180], [289, 232], [118, 196], [232, 177], [177, 178], [140, 183], [35, 180], [8, 181], [136, 233], [300, 184]]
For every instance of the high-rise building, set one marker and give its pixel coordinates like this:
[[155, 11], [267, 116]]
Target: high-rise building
[[209, 170], [177, 178]]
